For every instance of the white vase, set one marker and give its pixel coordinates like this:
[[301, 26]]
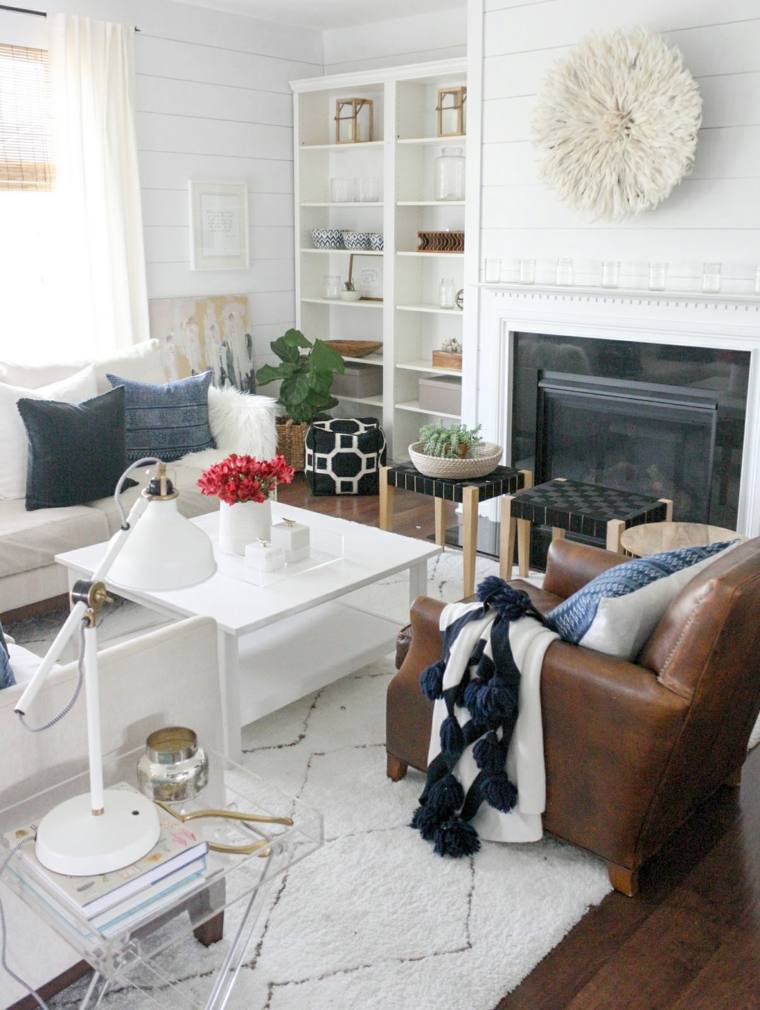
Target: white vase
[[243, 523]]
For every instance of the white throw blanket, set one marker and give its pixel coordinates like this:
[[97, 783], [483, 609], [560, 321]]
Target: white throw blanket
[[489, 680]]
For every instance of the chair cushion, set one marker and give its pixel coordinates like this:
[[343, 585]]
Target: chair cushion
[[617, 611], [168, 420], [242, 422], [30, 540], [76, 450]]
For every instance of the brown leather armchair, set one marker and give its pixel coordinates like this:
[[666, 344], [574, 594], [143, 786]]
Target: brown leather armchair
[[631, 748]]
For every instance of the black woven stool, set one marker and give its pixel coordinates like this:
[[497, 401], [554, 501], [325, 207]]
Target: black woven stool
[[601, 512]]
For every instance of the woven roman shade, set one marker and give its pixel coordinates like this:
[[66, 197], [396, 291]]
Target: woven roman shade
[[25, 113]]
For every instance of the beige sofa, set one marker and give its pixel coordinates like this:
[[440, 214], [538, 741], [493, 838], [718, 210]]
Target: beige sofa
[[29, 541], [165, 677]]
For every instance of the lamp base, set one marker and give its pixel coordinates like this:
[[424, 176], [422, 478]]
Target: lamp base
[[73, 840]]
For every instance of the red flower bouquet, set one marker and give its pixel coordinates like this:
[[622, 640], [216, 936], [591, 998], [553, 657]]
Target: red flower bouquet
[[245, 478]]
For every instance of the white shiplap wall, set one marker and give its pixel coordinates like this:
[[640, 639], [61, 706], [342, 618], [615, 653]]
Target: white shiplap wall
[[713, 215], [213, 102], [415, 39]]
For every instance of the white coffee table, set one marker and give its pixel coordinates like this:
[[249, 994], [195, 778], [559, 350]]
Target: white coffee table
[[280, 642]]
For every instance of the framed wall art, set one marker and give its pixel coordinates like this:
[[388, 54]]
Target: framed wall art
[[218, 225]]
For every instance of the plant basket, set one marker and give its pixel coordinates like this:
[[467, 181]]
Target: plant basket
[[484, 460], [291, 441]]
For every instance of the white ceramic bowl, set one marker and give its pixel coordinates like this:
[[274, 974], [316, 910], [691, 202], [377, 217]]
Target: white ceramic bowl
[[350, 296], [485, 461]]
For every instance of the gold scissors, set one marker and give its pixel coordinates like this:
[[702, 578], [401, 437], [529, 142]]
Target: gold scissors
[[230, 815]]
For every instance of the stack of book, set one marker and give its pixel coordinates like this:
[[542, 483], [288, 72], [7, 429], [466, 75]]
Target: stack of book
[[112, 902]]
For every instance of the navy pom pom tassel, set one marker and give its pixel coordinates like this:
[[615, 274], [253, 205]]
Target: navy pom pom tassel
[[426, 821], [452, 738], [489, 753], [446, 796], [499, 792], [431, 680], [509, 603], [493, 702], [456, 838], [471, 695]]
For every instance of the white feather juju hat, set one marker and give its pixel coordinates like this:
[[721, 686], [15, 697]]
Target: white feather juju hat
[[617, 123]]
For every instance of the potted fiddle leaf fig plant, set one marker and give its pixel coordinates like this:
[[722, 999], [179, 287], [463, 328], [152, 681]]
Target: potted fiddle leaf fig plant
[[305, 372]]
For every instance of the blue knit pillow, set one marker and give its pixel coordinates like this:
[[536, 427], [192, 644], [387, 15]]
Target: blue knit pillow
[[6, 674], [617, 611], [167, 421]]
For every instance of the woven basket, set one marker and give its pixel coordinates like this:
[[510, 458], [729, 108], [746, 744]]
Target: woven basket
[[485, 460], [291, 442]]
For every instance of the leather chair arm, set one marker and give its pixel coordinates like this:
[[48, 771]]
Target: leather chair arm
[[609, 730], [570, 566]]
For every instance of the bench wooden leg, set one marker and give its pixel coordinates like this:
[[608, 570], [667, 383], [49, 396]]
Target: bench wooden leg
[[211, 931], [623, 879], [470, 529], [558, 533], [615, 529], [396, 769], [507, 537], [440, 521], [523, 547], [386, 500]]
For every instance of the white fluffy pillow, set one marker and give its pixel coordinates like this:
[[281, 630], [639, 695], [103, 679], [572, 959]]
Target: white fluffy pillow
[[242, 422], [13, 440]]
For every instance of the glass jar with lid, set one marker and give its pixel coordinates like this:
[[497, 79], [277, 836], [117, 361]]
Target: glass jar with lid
[[449, 174]]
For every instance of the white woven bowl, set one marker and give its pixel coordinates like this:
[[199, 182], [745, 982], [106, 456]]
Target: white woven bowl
[[485, 460]]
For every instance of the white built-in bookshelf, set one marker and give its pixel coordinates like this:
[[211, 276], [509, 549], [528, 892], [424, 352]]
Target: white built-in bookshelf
[[401, 156]]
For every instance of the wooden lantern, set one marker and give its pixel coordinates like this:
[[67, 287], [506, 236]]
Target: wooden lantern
[[450, 109], [353, 120]]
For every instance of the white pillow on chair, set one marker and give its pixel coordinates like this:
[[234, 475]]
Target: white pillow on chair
[[242, 422]]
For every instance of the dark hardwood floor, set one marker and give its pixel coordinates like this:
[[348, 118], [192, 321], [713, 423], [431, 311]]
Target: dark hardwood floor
[[690, 940]]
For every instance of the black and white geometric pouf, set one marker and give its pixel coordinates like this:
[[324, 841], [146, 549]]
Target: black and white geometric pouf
[[344, 456]]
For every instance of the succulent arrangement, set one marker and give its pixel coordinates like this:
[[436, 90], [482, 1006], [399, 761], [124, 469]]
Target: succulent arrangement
[[454, 441]]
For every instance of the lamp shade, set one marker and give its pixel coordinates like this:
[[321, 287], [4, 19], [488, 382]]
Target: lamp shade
[[164, 551]]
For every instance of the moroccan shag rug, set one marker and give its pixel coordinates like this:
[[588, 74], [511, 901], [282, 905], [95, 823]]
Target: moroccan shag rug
[[372, 920]]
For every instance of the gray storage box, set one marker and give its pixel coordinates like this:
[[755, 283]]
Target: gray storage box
[[441, 395], [358, 380]]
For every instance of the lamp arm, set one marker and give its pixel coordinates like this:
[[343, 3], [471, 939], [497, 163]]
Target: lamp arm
[[79, 609]]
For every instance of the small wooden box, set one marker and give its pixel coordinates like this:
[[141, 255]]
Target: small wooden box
[[447, 359]]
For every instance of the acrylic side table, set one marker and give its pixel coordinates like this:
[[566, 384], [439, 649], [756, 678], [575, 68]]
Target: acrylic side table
[[569, 506], [501, 483], [139, 957]]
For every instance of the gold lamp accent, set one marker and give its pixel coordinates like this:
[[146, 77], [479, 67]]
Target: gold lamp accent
[[451, 112], [354, 120]]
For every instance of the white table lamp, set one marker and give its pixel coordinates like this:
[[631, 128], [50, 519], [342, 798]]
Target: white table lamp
[[156, 548]]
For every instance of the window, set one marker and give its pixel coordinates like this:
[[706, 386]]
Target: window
[[27, 195], [25, 162]]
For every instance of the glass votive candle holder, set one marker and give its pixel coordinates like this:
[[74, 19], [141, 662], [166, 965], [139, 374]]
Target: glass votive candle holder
[[658, 276], [492, 270], [331, 287], [711, 277], [527, 271], [564, 275], [611, 274]]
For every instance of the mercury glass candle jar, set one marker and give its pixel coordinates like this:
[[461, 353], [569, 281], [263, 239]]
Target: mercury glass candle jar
[[174, 767]]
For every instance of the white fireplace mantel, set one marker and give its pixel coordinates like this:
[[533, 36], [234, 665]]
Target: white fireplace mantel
[[730, 322]]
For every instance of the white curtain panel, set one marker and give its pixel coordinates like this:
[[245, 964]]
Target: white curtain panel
[[99, 281]]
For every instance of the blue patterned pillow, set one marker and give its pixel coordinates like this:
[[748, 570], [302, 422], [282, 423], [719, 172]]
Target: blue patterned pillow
[[6, 674], [617, 611], [167, 421]]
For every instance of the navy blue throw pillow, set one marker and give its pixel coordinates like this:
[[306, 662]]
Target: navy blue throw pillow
[[76, 450], [167, 421], [6, 674]]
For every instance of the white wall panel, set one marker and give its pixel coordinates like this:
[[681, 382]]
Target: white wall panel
[[713, 214]]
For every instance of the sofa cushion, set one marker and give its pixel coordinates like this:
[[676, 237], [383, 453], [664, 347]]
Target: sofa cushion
[[167, 420], [77, 451], [30, 540], [142, 363], [13, 440], [243, 422], [617, 611]]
